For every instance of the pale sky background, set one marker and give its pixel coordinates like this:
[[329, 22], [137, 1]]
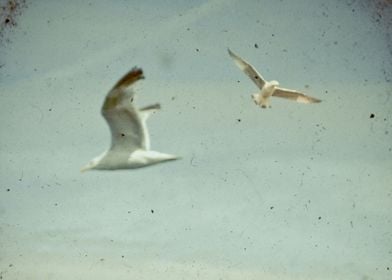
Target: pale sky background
[[293, 192]]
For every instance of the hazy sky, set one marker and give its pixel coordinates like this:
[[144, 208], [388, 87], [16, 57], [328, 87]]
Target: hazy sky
[[293, 192]]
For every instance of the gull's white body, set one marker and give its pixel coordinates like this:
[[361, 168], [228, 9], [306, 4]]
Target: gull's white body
[[269, 88], [130, 146]]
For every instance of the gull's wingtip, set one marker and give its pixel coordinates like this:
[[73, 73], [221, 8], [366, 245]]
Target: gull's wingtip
[[137, 72], [240, 62], [129, 78], [307, 100], [314, 100], [230, 52]]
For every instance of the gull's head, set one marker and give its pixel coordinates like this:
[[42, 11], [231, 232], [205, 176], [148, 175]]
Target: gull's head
[[274, 83]]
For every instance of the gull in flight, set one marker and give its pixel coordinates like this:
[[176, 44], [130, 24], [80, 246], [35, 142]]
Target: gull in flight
[[269, 88], [130, 146]]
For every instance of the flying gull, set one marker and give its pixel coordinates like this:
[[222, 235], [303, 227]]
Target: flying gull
[[269, 88], [130, 147]]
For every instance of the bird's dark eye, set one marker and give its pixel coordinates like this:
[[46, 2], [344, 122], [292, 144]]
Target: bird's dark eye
[[122, 134], [132, 99]]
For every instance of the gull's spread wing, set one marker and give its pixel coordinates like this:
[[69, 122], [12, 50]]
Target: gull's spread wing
[[126, 125], [248, 69], [294, 95]]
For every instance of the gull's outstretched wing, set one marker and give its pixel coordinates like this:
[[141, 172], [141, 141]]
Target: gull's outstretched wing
[[248, 69], [294, 95], [127, 127]]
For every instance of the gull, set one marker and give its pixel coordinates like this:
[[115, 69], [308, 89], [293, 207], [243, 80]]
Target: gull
[[130, 147], [269, 88]]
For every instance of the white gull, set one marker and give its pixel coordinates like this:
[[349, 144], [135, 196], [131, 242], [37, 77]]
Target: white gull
[[130, 147], [269, 88]]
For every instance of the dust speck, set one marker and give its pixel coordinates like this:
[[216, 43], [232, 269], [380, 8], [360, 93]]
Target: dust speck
[[10, 11]]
